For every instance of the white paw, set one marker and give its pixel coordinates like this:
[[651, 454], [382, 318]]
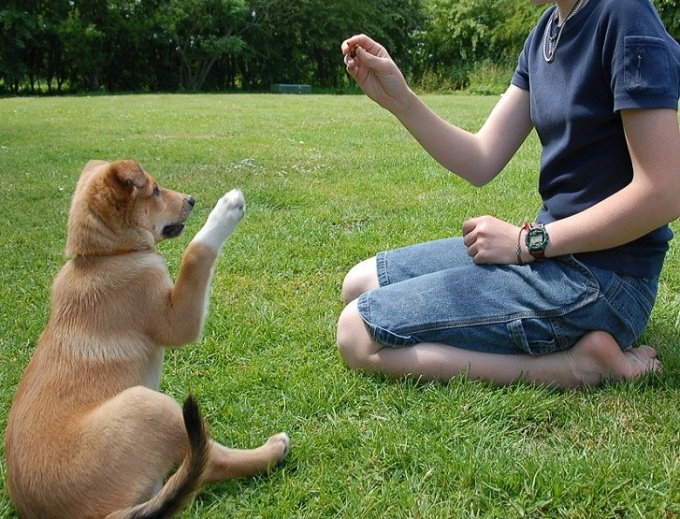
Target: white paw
[[223, 219], [230, 208]]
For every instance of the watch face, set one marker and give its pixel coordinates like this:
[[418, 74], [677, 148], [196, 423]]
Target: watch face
[[537, 239]]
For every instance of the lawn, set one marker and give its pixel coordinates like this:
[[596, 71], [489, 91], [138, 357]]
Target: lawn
[[330, 180]]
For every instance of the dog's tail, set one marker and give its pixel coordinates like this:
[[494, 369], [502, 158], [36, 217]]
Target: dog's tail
[[185, 482]]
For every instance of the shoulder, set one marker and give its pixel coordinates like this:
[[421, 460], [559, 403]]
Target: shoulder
[[642, 57], [630, 15], [627, 23], [626, 7]]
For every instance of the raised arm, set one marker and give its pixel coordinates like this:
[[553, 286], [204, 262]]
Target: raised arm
[[476, 157]]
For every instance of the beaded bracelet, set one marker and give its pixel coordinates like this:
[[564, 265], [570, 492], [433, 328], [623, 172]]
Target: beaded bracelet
[[518, 248]]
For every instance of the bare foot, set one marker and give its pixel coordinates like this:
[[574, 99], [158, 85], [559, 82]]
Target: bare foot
[[597, 357]]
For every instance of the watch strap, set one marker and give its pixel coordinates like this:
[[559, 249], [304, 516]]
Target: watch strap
[[538, 254]]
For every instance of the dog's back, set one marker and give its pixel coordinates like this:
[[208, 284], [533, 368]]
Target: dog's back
[[89, 434], [93, 347]]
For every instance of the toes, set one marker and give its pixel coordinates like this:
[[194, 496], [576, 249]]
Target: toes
[[234, 203], [647, 351], [642, 360], [234, 199]]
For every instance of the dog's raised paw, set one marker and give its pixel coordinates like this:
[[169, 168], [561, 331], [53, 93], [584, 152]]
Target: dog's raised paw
[[232, 205], [222, 221]]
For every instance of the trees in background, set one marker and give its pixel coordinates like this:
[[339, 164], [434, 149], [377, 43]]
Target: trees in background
[[223, 45], [670, 14]]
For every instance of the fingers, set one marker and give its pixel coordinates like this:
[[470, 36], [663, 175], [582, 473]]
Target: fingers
[[351, 48], [359, 40], [469, 226], [363, 47], [490, 240]]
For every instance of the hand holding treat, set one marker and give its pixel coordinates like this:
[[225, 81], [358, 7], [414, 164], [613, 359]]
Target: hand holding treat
[[375, 72]]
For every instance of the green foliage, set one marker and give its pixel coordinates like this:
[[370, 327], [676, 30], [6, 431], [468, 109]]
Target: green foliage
[[18, 33], [330, 180], [202, 32], [462, 34], [670, 13], [220, 45], [490, 78], [83, 44]]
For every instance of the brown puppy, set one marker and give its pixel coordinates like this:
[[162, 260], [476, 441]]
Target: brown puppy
[[89, 435]]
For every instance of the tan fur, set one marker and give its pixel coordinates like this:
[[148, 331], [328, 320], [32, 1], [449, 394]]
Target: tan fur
[[89, 435]]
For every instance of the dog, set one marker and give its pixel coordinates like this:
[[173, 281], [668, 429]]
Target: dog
[[89, 435]]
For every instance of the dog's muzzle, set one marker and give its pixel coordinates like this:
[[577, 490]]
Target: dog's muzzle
[[175, 229]]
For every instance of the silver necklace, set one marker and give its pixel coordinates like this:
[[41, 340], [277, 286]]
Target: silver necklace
[[551, 42]]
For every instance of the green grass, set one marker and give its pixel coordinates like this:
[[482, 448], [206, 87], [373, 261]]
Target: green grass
[[328, 182]]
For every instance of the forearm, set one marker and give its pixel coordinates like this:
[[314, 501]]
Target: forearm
[[623, 217], [476, 157], [456, 149]]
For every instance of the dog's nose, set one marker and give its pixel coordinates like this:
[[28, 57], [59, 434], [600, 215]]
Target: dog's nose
[[191, 201]]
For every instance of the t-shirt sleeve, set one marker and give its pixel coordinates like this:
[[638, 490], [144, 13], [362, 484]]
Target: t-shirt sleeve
[[520, 78], [643, 60]]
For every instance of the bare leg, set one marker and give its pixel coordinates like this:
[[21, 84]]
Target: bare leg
[[595, 358], [361, 278]]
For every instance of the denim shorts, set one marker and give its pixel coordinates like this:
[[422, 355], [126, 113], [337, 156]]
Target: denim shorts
[[434, 292]]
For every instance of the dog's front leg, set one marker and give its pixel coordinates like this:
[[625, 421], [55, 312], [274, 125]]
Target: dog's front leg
[[188, 300]]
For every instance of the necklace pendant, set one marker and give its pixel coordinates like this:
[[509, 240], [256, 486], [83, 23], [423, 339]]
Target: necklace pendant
[[550, 40], [549, 55]]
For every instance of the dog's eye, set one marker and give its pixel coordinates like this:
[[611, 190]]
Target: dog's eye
[[156, 192]]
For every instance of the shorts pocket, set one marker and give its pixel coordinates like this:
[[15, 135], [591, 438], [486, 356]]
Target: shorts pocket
[[535, 336]]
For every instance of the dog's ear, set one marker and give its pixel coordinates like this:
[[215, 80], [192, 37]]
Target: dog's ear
[[122, 177], [129, 174]]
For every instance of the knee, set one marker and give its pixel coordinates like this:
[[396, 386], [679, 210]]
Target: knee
[[350, 287], [350, 335], [359, 279]]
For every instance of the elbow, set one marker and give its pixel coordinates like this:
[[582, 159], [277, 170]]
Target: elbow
[[481, 178], [674, 201], [172, 336], [477, 182], [483, 172], [675, 213], [671, 205]]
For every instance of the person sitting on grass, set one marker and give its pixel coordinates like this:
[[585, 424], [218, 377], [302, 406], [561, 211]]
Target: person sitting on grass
[[562, 301]]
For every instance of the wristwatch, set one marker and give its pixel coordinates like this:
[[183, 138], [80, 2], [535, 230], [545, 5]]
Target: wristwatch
[[536, 240]]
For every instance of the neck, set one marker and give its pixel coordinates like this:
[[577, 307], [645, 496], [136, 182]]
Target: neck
[[103, 254], [565, 8]]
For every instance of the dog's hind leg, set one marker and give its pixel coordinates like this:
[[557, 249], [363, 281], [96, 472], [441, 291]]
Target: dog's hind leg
[[137, 436], [186, 481], [225, 463], [146, 435]]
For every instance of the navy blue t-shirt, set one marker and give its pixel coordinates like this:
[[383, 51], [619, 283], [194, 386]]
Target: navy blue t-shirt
[[612, 55]]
